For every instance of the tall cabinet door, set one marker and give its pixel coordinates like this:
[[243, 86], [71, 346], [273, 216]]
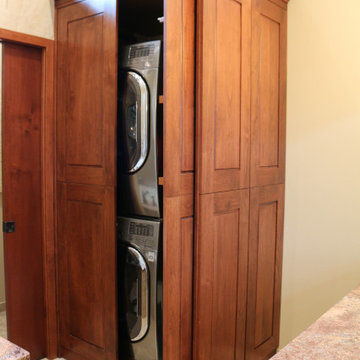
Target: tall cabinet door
[[86, 175], [86, 92], [223, 92], [222, 160], [265, 264], [221, 276], [87, 274], [179, 168], [268, 89]]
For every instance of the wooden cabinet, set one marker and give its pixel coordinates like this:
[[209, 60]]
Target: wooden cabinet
[[86, 92], [221, 276], [179, 168], [86, 96], [240, 142], [268, 89], [87, 274], [264, 284], [221, 291], [223, 92]]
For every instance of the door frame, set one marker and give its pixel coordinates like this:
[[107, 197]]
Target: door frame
[[48, 146]]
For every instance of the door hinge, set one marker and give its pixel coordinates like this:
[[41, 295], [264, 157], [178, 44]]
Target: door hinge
[[9, 226]]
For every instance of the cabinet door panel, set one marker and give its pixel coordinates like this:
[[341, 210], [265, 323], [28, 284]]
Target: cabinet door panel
[[179, 98], [265, 258], [223, 95], [87, 271], [86, 92], [221, 276], [268, 94], [178, 274]]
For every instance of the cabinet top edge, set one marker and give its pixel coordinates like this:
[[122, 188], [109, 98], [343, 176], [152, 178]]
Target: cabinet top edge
[[63, 3]]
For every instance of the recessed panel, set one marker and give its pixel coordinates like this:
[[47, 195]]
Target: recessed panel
[[228, 85], [85, 93], [225, 260], [269, 91], [265, 272], [84, 252]]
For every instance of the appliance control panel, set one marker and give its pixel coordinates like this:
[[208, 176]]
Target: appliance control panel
[[144, 234]]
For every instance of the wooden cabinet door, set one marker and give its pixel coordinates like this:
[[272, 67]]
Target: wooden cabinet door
[[86, 92], [223, 122], [265, 263], [87, 272], [268, 89], [178, 277], [221, 276]]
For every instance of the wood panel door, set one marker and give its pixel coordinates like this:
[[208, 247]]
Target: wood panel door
[[22, 193], [178, 277], [179, 167], [179, 98], [86, 92], [223, 93], [265, 264], [87, 272], [268, 89], [221, 276]]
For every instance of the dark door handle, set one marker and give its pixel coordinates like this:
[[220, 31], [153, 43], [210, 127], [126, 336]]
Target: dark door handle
[[9, 226]]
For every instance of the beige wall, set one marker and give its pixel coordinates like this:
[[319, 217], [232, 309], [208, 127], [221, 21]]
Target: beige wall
[[34, 18], [322, 216], [30, 17]]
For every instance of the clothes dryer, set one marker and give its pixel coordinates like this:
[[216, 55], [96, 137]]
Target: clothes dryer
[[138, 156]]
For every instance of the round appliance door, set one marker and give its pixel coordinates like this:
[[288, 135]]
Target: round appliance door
[[136, 294], [134, 118]]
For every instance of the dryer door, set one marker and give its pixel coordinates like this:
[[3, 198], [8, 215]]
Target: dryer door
[[134, 120], [136, 292]]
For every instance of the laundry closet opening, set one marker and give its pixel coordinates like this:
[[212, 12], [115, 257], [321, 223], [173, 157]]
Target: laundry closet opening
[[139, 180]]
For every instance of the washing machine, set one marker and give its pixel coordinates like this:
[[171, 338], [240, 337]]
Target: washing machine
[[138, 130], [140, 288]]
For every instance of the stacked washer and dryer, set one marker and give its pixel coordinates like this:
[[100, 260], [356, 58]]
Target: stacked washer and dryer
[[139, 202]]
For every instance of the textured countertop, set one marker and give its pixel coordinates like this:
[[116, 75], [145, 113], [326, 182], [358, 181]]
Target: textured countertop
[[9, 351], [334, 336]]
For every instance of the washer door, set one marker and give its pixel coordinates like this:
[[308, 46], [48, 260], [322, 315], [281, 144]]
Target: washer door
[[137, 295], [134, 117]]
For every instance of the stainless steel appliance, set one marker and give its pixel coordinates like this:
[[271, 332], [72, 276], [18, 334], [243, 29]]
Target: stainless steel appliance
[[140, 288], [137, 130]]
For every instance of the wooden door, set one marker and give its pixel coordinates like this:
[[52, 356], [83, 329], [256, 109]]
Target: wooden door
[[22, 188], [179, 167], [86, 92], [223, 152], [221, 276], [223, 92], [86, 178], [268, 89], [87, 273], [265, 264]]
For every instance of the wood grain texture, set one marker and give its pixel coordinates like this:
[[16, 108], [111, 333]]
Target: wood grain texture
[[223, 95], [221, 276], [268, 123], [265, 264], [86, 92], [62, 3], [179, 124], [179, 96], [178, 266], [48, 174], [87, 271], [26, 39], [22, 186], [281, 3]]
